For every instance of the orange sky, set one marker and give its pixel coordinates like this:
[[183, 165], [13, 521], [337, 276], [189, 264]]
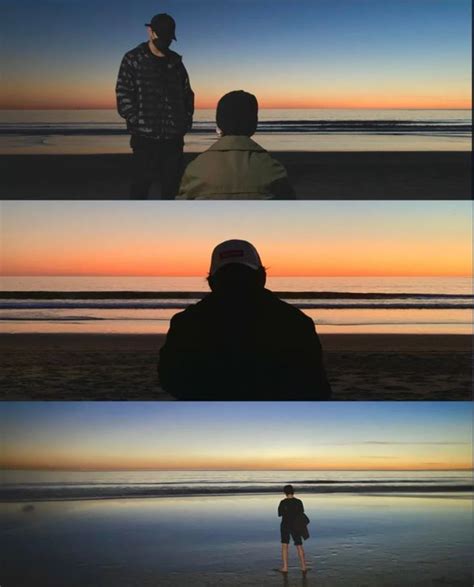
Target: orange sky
[[23, 96], [301, 238], [54, 461], [72, 103], [368, 259]]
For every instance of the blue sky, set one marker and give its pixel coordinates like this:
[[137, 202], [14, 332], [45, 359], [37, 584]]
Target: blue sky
[[167, 434], [333, 52]]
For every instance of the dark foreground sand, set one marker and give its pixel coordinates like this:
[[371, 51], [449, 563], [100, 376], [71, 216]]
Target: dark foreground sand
[[315, 175], [123, 367]]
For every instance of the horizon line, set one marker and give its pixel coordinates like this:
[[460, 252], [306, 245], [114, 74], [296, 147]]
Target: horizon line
[[19, 468], [204, 275], [261, 107]]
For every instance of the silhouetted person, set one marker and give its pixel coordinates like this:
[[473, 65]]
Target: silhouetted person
[[235, 167], [155, 98], [293, 523], [241, 342]]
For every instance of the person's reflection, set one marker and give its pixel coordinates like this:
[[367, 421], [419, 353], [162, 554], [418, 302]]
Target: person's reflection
[[304, 581]]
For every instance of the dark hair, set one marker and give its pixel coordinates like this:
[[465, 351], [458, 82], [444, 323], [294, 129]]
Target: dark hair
[[237, 113], [288, 490], [236, 278]]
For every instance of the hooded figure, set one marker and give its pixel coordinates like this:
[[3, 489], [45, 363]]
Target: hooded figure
[[235, 167]]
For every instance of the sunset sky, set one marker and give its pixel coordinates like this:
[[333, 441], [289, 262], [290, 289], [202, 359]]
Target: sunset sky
[[224, 435], [302, 238], [65, 54]]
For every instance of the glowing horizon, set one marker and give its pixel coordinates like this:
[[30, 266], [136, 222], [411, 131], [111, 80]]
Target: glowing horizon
[[303, 238], [278, 436], [210, 106], [108, 103], [7, 467]]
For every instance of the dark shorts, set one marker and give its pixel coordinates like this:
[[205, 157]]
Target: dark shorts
[[285, 536]]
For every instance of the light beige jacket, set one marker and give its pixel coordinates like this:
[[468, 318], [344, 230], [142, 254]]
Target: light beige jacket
[[233, 168]]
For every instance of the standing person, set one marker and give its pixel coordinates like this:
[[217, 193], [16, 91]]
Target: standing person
[[293, 522], [241, 342], [236, 167], [155, 98]]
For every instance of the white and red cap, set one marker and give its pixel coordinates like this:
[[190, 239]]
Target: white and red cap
[[234, 251]]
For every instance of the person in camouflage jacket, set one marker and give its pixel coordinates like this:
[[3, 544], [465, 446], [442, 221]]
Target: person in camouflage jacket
[[155, 98]]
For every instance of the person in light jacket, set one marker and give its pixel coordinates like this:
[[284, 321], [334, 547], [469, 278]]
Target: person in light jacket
[[235, 167]]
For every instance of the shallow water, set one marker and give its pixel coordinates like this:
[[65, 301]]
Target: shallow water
[[103, 131], [231, 540], [343, 305], [50, 485]]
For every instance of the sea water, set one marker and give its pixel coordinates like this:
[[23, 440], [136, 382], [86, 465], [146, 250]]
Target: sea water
[[139, 305], [103, 131]]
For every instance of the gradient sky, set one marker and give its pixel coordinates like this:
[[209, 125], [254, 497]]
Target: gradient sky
[[324, 53], [224, 435], [320, 238]]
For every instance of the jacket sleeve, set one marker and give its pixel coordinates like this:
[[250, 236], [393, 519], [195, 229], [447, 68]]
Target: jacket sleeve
[[192, 186], [184, 192], [126, 92], [324, 387], [280, 512], [281, 189], [169, 361], [279, 186], [311, 370], [179, 362], [188, 98]]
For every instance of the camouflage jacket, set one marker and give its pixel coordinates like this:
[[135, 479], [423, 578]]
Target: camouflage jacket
[[154, 94]]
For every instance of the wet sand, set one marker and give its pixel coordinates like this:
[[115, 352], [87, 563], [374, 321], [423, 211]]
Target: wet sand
[[123, 367], [314, 175], [368, 541]]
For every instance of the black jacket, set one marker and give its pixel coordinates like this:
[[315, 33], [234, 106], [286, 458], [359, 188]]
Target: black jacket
[[256, 348], [154, 94], [293, 518]]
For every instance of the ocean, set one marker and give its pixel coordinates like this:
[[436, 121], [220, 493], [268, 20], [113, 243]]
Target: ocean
[[20, 485], [139, 305], [103, 131]]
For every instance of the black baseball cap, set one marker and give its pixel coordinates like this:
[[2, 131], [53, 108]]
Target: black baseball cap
[[163, 25]]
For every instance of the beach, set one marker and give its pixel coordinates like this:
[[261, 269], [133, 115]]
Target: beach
[[44, 366], [321, 175], [370, 540]]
